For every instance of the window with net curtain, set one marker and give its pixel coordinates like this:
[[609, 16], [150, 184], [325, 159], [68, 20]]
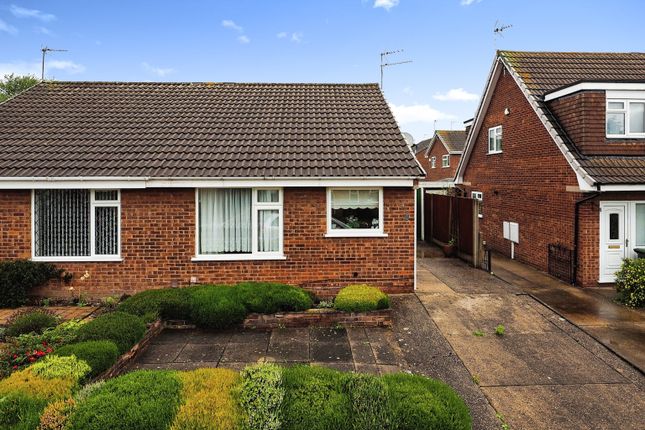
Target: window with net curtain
[[355, 209], [226, 221], [63, 221]]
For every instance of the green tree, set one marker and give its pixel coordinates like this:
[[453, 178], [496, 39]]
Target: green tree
[[12, 85]]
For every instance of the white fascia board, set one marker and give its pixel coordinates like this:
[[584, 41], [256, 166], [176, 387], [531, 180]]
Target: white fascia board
[[140, 183], [591, 86], [623, 187], [493, 76], [436, 184]]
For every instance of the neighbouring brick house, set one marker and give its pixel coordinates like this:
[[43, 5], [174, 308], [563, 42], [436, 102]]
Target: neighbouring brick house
[[149, 185], [557, 155], [439, 156]]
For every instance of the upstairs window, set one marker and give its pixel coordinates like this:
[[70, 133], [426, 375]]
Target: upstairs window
[[433, 162], [625, 118], [495, 140], [445, 160], [76, 225]]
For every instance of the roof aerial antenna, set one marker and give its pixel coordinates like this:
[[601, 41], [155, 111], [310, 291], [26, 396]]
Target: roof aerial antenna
[[385, 63], [45, 50], [498, 31]]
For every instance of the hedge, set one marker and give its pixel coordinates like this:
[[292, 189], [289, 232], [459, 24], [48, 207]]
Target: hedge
[[30, 321], [361, 298], [369, 400], [168, 303], [100, 355], [19, 277], [630, 282], [123, 329], [262, 395]]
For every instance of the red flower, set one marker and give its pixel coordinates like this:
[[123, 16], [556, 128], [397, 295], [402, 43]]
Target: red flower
[[32, 359], [15, 356], [49, 350], [15, 367]]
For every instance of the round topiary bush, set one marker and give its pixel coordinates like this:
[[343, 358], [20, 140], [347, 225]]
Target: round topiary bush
[[216, 307], [123, 329], [32, 320], [169, 303], [630, 282], [138, 400], [361, 298], [99, 354], [423, 403], [269, 298]]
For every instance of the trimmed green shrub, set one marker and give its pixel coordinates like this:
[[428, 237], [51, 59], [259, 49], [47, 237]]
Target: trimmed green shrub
[[208, 401], [169, 303], [52, 367], [315, 399], [27, 382], [20, 411], [269, 298], [361, 298], [630, 282], [34, 320], [64, 333], [138, 400], [56, 414], [216, 307], [19, 277], [123, 329], [261, 396], [98, 354], [423, 403], [369, 397]]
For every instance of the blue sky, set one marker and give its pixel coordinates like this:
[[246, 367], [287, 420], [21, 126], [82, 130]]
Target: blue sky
[[450, 42]]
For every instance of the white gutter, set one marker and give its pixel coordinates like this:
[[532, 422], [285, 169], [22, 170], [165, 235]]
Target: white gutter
[[598, 86]]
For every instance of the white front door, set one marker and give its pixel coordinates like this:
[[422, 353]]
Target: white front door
[[612, 239]]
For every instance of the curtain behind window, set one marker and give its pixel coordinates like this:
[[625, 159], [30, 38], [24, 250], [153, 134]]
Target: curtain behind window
[[225, 221], [62, 223]]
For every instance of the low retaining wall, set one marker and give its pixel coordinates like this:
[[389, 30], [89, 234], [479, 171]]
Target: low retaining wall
[[126, 359], [319, 317]]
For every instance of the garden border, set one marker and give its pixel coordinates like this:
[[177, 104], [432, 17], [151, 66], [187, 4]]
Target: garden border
[[319, 317]]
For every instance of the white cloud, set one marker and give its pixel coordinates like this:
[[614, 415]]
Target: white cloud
[[158, 71], [282, 35], [296, 37], [408, 91], [42, 30], [7, 28], [21, 12], [33, 68], [469, 2], [418, 113], [243, 39], [293, 37], [227, 23], [386, 4], [456, 94]]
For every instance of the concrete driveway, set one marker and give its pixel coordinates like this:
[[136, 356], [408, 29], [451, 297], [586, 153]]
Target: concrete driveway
[[543, 373]]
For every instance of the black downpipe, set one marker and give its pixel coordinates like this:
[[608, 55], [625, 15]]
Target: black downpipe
[[576, 235]]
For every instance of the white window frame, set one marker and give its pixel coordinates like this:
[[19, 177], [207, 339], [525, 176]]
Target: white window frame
[[445, 161], [356, 232], [433, 162], [255, 207], [477, 195], [497, 132], [93, 256], [625, 110]]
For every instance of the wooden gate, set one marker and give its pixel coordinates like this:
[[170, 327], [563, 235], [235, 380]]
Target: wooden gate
[[449, 217]]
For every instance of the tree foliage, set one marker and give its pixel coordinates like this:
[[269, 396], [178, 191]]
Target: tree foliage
[[12, 85]]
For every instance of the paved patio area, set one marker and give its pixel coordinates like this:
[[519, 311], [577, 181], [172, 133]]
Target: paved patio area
[[65, 312], [373, 350], [543, 373]]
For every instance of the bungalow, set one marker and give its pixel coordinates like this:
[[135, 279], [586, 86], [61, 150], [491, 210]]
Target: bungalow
[[557, 156], [149, 185]]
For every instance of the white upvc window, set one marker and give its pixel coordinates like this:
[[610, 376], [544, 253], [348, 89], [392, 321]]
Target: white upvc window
[[625, 118], [445, 161], [239, 224], [477, 195], [433, 162], [76, 225], [355, 212], [495, 140]]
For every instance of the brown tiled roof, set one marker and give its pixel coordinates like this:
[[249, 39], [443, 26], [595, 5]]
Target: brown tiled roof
[[545, 72], [423, 145], [453, 139], [201, 130]]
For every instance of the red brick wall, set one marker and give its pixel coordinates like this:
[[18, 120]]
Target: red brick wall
[[526, 183], [582, 115], [158, 242], [438, 173]]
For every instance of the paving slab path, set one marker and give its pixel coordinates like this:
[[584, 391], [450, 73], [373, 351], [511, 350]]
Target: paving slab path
[[543, 373]]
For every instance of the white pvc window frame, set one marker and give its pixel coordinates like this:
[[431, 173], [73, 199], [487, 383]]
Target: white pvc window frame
[[356, 232], [433, 162], [255, 207], [81, 258], [626, 111], [495, 135], [477, 195], [445, 161]]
